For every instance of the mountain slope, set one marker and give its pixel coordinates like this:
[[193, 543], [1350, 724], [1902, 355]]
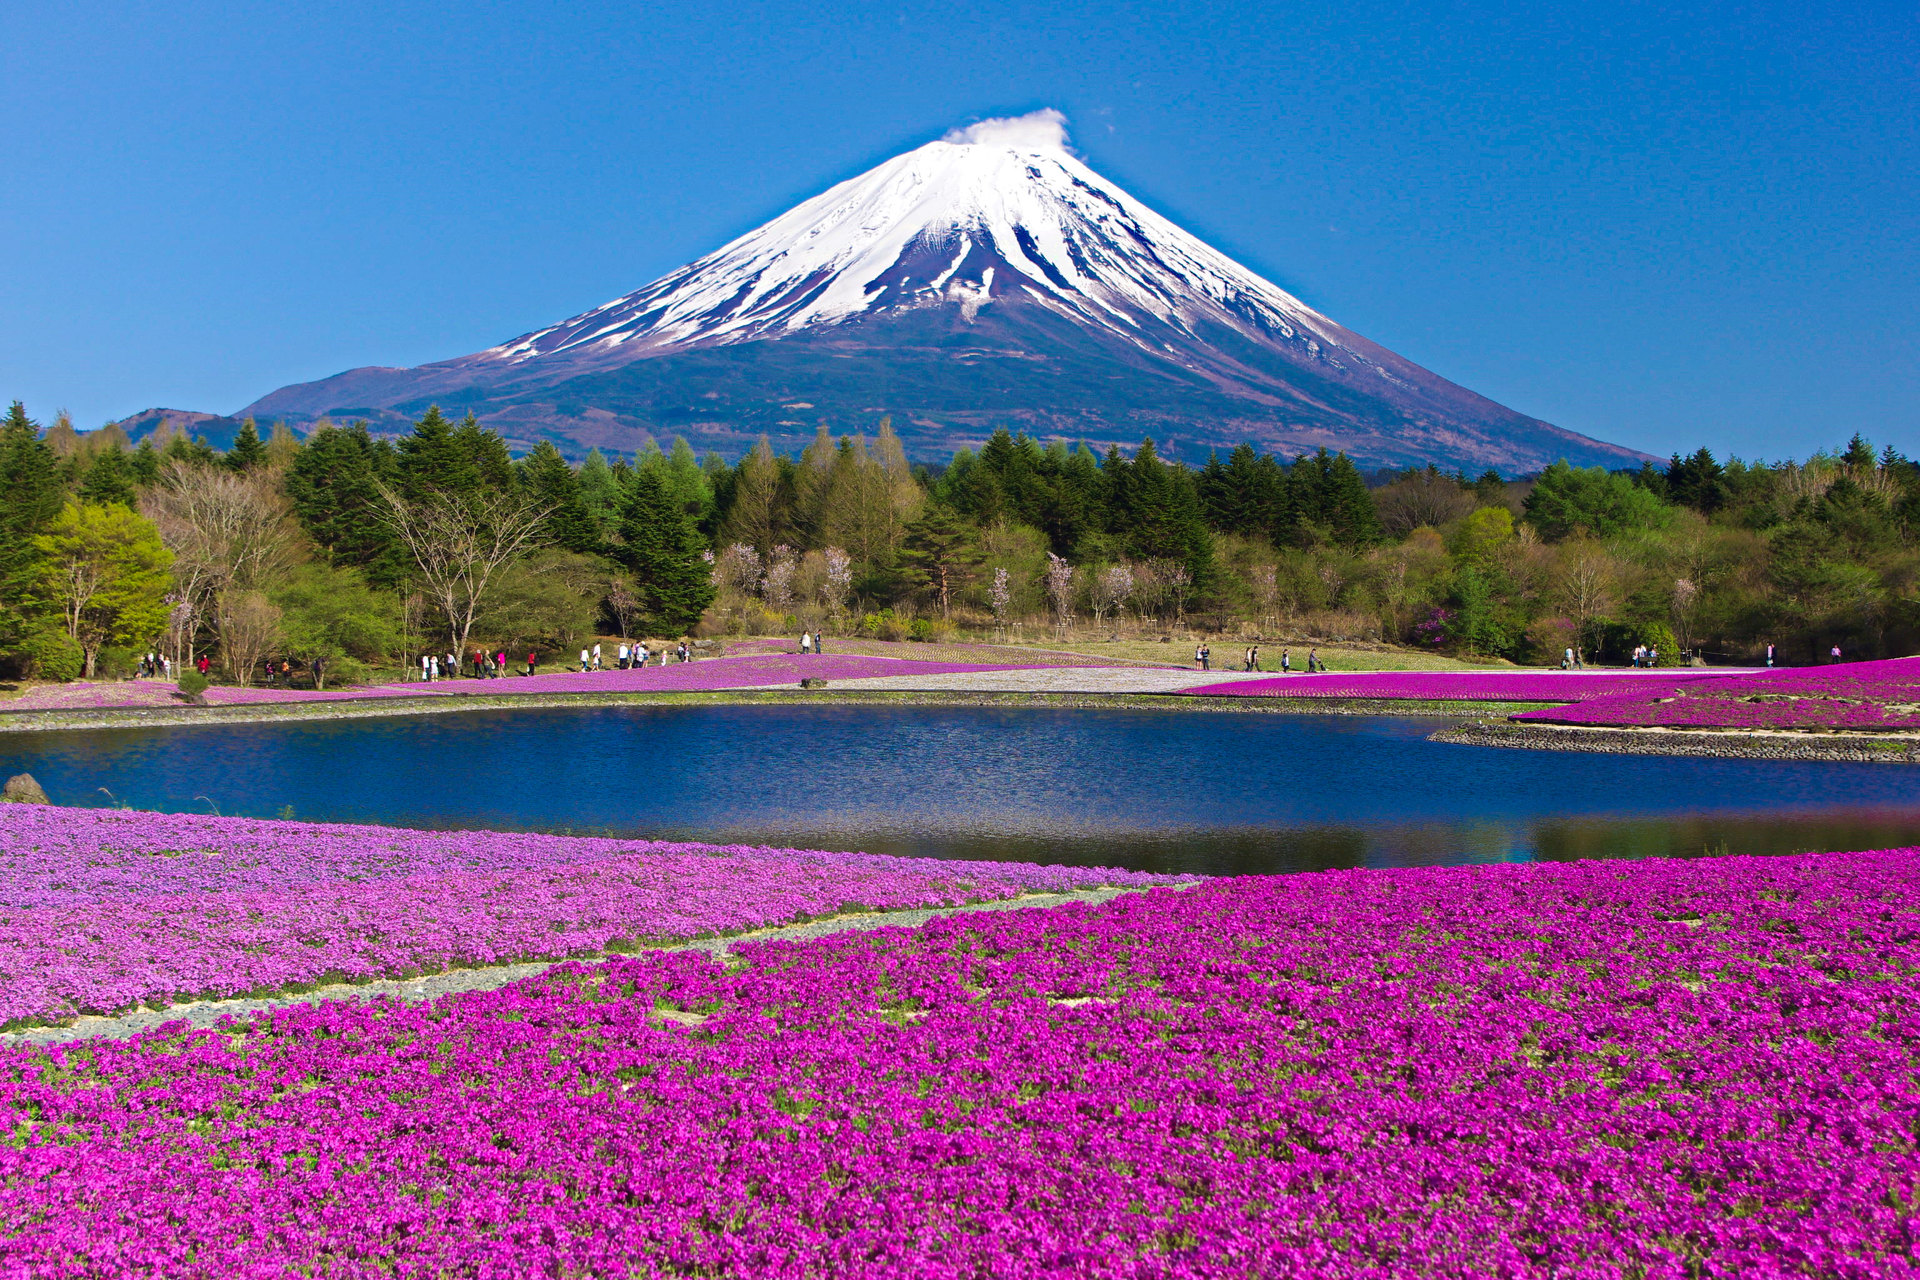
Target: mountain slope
[[990, 278]]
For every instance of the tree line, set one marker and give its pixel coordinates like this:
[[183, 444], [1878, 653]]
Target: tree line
[[362, 550]]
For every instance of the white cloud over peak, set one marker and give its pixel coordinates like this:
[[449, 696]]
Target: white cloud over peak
[[1043, 128]]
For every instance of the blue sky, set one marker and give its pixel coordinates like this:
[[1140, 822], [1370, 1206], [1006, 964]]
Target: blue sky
[[1664, 226]]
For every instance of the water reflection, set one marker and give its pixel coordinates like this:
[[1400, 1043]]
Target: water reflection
[[1155, 790]]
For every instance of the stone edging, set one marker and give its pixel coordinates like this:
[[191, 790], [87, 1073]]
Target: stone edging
[[201, 1014], [1727, 744]]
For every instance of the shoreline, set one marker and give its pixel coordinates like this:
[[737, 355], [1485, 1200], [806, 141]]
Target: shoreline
[[460, 703], [1730, 744]]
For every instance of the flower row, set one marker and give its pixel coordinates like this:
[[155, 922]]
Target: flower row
[[101, 910]]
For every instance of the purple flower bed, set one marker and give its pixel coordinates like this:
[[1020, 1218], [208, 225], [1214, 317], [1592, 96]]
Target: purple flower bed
[[1860, 696], [1465, 686], [1665, 1069], [104, 909], [750, 671]]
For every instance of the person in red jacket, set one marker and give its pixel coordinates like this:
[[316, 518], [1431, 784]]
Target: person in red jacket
[[533, 661]]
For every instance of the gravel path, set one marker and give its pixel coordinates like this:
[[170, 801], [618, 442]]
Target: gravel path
[[206, 1013]]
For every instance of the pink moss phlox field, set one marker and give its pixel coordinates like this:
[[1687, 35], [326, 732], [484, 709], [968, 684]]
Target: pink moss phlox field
[[1863, 696], [746, 671], [1457, 686], [104, 909], [1662, 1070]]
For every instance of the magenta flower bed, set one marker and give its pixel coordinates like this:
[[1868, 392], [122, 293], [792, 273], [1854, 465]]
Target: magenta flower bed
[[1862, 696], [750, 671], [1665, 1069], [1465, 686], [103, 909]]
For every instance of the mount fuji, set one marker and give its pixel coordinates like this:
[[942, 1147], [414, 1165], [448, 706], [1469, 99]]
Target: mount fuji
[[987, 279]]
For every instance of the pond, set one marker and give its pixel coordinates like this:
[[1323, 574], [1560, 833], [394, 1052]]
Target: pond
[[1158, 790]]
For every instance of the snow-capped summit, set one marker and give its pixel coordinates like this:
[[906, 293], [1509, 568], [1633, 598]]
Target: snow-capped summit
[[986, 278], [993, 212]]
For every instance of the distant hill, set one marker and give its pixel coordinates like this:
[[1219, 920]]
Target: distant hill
[[988, 279], [216, 430]]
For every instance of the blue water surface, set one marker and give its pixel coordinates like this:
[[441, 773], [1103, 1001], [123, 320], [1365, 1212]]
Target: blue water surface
[[1151, 789]]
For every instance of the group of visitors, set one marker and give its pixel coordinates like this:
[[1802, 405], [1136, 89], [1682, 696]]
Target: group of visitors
[[279, 673], [1573, 660], [481, 665], [1647, 655], [155, 666], [812, 642], [1203, 657]]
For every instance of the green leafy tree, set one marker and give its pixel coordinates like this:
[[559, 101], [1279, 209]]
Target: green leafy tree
[[105, 570], [1567, 498], [1327, 492], [673, 582], [331, 613], [600, 490]]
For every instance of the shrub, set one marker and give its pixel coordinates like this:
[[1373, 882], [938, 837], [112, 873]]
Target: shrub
[[192, 683], [52, 655], [920, 629]]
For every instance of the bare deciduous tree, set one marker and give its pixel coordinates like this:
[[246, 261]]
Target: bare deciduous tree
[[1587, 579], [1425, 498], [459, 543], [249, 631], [228, 531]]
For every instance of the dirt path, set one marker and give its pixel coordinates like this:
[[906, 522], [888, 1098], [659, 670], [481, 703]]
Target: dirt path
[[205, 1013]]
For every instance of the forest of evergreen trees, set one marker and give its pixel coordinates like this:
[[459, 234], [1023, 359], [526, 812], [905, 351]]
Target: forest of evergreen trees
[[364, 550]]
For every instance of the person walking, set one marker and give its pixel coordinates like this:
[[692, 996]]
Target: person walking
[[319, 673], [806, 643], [1836, 653], [819, 643], [205, 664], [1769, 655], [1286, 662], [596, 655], [585, 657], [621, 655]]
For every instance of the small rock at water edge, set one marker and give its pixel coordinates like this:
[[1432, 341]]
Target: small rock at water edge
[[22, 789]]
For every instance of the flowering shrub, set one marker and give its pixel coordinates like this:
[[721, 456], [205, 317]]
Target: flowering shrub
[[103, 909], [1866, 696], [748, 671], [1663, 1069], [1468, 686]]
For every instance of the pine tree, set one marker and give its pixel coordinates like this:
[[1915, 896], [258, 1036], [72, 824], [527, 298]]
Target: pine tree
[[939, 553], [334, 485], [547, 478], [600, 489], [664, 551], [30, 498], [109, 480], [247, 452]]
